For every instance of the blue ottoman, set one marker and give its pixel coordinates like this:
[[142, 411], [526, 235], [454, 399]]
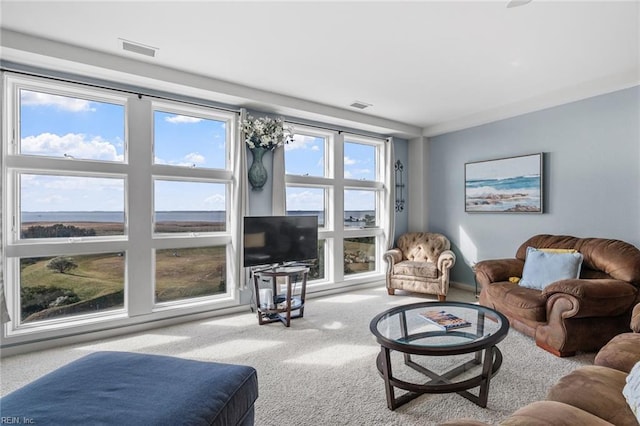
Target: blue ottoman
[[120, 388]]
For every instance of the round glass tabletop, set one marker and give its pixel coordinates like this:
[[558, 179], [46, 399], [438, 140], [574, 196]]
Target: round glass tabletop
[[433, 328]]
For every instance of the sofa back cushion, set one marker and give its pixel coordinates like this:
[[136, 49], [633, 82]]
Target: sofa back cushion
[[423, 246], [602, 258]]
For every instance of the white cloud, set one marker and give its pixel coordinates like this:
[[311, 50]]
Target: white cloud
[[52, 200], [305, 200], [71, 193], [349, 161], [363, 172], [215, 202], [179, 119], [76, 145], [195, 158], [189, 160], [61, 102], [359, 200], [303, 142], [72, 183]]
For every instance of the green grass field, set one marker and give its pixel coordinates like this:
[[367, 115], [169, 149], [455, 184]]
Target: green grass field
[[192, 272], [180, 274], [96, 275]]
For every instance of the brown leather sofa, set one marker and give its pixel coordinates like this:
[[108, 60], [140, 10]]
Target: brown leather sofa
[[420, 263], [573, 314], [589, 395]]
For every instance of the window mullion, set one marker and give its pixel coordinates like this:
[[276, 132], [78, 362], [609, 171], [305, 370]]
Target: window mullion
[[139, 206], [338, 208]]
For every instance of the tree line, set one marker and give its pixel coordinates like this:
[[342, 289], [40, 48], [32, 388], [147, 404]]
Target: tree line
[[57, 231]]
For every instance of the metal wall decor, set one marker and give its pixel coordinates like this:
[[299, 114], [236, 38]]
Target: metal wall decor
[[399, 186]]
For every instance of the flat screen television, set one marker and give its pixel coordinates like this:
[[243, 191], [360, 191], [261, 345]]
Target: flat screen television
[[272, 240]]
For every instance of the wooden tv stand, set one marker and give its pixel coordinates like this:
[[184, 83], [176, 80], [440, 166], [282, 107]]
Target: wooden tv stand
[[268, 310]]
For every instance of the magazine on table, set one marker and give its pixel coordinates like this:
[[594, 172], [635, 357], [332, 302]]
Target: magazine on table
[[444, 320]]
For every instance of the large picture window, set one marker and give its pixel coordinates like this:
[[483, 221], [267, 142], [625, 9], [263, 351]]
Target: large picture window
[[119, 208], [339, 180], [115, 206]]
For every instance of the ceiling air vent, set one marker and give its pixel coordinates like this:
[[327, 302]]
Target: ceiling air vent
[[138, 48], [517, 3], [360, 105]]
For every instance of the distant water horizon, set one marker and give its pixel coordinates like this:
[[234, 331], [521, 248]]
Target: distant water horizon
[[351, 216]]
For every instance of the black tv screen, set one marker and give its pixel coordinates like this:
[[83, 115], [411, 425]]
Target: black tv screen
[[279, 239]]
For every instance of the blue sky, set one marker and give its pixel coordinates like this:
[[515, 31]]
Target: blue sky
[[61, 126], [528, 165]]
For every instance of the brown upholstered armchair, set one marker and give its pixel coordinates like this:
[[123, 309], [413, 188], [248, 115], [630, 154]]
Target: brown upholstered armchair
[[420, 263], [568, 315]]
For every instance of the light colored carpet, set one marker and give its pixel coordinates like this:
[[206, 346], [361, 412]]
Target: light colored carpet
[[322, 369]]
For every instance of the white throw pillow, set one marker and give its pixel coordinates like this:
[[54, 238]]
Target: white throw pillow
[[631, 390], [542, 268]]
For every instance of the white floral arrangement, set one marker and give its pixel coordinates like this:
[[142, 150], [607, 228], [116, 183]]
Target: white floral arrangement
[[265, 132]]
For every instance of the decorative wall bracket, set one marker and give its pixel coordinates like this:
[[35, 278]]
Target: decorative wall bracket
[[399, 186]]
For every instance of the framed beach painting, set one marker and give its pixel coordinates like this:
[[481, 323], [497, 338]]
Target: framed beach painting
[[511, 184]]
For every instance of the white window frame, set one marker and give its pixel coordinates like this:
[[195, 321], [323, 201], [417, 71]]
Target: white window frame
[[377, 186], [138, 170], [188, 174], [335, 184]]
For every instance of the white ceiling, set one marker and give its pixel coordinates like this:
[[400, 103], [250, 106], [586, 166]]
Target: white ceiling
[[434, 66]]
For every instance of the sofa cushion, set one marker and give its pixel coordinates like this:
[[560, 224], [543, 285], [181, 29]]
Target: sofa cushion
[[545, 413], [597, 390], [618, 259], [542, 268], [514, 300], [416, 269], [622, 352]]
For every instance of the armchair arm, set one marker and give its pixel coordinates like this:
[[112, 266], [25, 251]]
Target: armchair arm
[[446, 260], [392, 256], [497, 270], [595, 298]]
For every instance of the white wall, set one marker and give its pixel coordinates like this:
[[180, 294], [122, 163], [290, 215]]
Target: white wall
[[591, 176]]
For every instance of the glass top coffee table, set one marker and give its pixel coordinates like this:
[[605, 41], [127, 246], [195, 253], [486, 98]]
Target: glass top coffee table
[[453, 360]]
